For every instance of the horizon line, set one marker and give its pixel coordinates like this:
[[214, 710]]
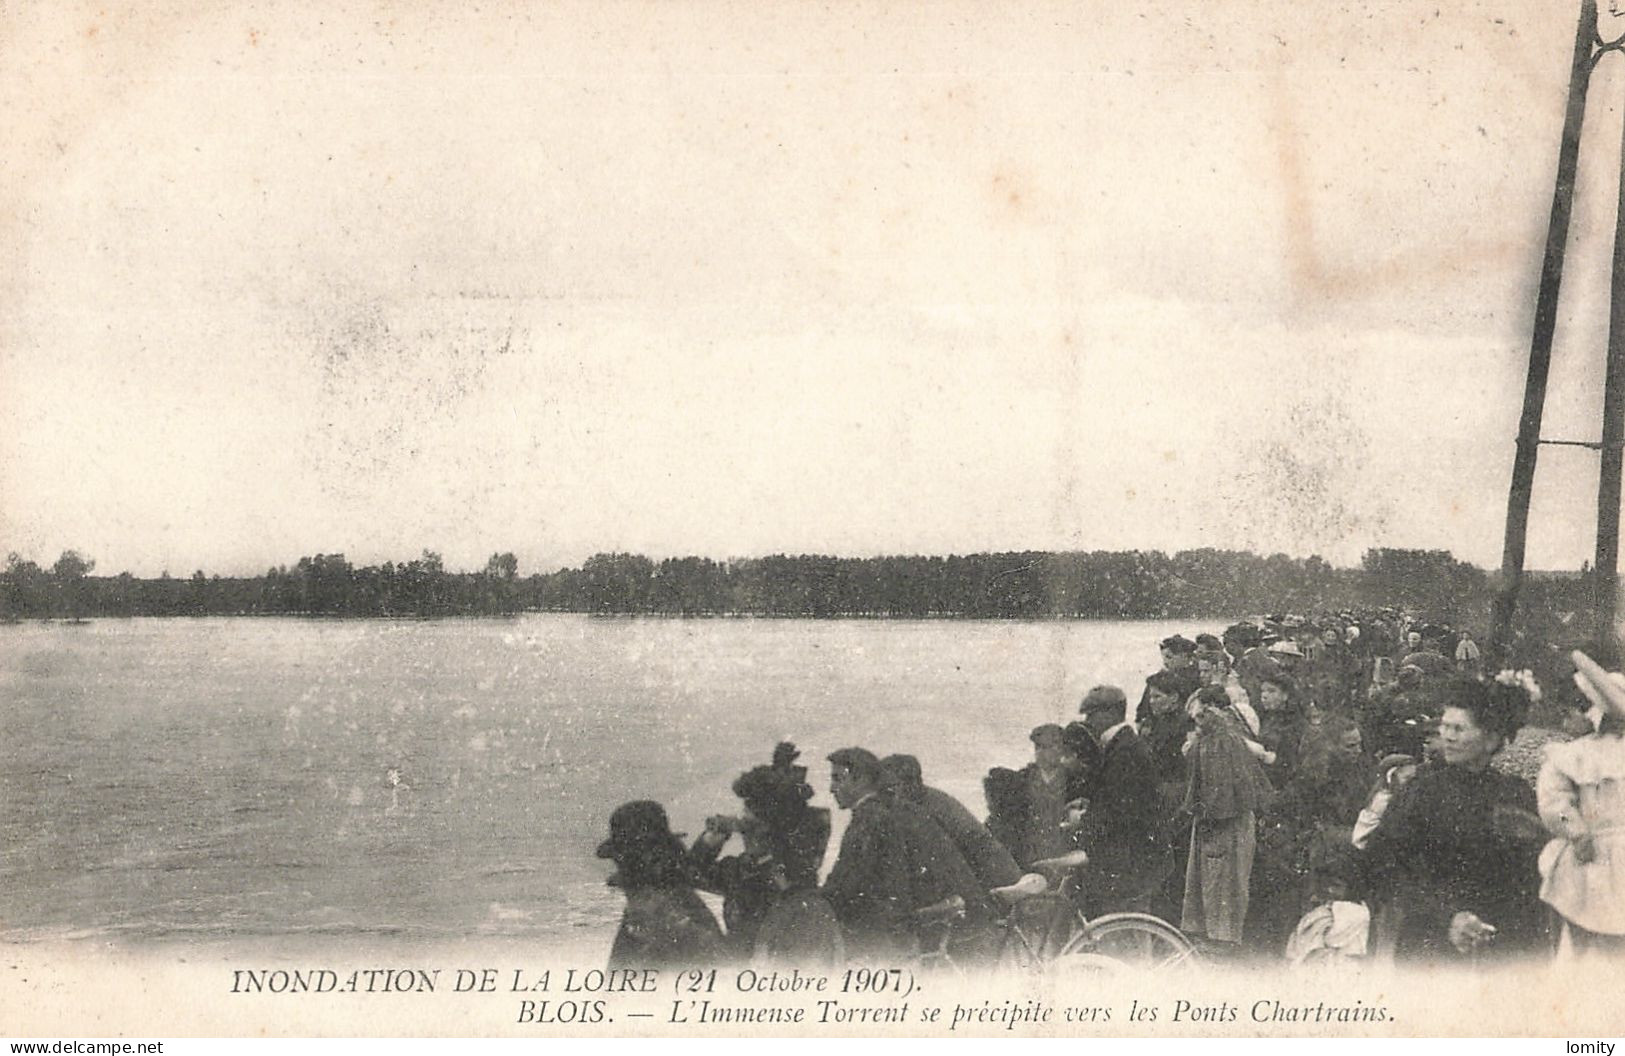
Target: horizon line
[[739, 558]]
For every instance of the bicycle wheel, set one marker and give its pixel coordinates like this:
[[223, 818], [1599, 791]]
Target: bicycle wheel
[[1035, 934], [1134, 941]]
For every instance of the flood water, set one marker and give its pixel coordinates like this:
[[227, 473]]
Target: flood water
[[218, 777]]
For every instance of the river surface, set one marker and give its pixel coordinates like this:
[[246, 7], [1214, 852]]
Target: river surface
[[240, 777]]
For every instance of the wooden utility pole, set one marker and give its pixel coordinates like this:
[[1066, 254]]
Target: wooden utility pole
[[1589, 48], [1605, 569]]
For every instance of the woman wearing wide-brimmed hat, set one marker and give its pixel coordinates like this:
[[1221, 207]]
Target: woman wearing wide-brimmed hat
[[665, 923], [770, 894], [1581, 793]]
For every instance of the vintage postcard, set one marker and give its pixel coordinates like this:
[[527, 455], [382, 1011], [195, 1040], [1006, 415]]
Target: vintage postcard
[[734, 519]]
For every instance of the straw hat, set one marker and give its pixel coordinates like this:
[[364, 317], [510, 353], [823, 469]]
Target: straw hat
[[1605, 689]]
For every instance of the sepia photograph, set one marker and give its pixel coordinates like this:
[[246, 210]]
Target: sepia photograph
[[900, 520]]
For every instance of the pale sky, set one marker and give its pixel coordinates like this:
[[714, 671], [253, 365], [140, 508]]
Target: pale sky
[[735, 279]]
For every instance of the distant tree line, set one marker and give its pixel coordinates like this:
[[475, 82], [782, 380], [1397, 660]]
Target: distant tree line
[[1135, 584], [324, 585]]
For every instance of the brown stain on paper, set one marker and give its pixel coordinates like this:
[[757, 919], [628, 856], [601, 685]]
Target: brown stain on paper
[[1316, 276]]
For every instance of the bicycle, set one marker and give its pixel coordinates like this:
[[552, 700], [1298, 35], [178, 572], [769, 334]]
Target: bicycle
[[1044, 929]]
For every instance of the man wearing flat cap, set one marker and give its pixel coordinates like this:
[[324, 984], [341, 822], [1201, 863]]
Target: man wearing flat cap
[[1122, 826], [1050, 787], [987, 857], [1179, 660], [1253, 662], [868, 886], [892, 862]]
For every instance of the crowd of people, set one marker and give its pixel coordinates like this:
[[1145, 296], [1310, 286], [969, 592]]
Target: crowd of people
[[1306, 789]]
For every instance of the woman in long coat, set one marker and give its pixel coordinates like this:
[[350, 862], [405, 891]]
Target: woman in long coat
[[1227, 788]]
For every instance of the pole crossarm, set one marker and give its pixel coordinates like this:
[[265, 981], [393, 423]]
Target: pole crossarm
[[1601, 48], [1599, 44], [1594, 445]]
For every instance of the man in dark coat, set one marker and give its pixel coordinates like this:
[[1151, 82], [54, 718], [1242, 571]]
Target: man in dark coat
[[664, 924], [1123, 822], [1050, 788], [1179, 660], [1006, 793], [893, 861], [987, 857], [1164, 735]]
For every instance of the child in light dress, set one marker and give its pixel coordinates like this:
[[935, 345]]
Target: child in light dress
[[1581, 796]]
